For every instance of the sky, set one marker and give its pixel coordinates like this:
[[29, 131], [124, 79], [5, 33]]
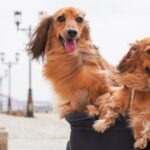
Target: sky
[[114, 25]]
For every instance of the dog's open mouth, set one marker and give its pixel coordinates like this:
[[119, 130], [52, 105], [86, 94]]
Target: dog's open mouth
[[69, 44]]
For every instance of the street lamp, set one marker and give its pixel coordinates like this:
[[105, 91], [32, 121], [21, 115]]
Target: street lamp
[[1, 80], [9, 64], [42, 14], [1, 88], [18, 15]]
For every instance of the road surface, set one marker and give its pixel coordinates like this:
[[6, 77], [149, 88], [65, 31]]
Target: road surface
[[44, 132]]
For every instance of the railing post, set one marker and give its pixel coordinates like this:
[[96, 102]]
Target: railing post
[[3, 139]]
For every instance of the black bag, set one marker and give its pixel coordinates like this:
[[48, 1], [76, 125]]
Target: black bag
[[83, 137]]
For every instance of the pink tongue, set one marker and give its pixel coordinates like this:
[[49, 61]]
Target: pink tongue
[[70, 45]]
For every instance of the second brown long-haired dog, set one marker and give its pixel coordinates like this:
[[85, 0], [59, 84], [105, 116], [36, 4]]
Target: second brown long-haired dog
[[72, 62], [134, 97]]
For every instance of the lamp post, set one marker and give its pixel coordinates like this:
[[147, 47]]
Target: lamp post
[[1, 82], [18, 15], [9, 64], [1, 88]]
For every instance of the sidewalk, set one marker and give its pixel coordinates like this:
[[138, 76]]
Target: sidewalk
[[44, 132]]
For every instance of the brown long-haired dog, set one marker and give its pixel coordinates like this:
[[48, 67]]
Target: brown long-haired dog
[[134, 97], [72, 62]]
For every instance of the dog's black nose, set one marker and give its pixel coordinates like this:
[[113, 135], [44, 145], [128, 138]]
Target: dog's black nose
[[72, 33], [148, 70]]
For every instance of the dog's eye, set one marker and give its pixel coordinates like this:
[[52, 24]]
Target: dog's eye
[[148, 52], [61, 19], [79, 19]]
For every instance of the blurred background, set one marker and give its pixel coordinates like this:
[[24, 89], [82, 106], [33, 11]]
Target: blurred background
[[114, 25]]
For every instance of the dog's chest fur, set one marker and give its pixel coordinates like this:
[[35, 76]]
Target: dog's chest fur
[[76, 77], [141, 101]]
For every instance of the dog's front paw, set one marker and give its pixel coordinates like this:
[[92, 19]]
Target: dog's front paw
[[140, 143], [64, 111], [63, 114], [101, 125], [92, 110]]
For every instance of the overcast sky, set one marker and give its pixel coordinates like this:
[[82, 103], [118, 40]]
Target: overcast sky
[[114, 25]]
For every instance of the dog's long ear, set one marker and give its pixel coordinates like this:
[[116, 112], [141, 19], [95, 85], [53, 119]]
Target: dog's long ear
[[36, 46], [127, 63], [86, 32]]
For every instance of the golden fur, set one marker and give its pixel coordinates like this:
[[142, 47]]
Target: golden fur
[[78, 77], [133, 76]]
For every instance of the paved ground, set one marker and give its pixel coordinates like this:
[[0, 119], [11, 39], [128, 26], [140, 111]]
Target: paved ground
[[44, 132]]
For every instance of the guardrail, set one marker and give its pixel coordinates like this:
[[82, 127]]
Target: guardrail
[[18, 105]]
